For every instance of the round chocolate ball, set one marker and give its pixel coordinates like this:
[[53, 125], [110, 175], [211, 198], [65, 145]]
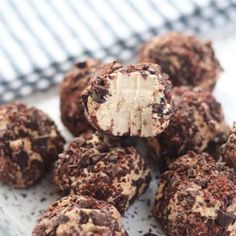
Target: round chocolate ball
[[228, 150], [75, 81], [92, 165], [197, 125], [187, 59], [80, 216], [131, 100], [29, 143], [197, 196]]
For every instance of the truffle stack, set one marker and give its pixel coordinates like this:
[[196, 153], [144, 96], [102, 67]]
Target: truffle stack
[[119, 100]]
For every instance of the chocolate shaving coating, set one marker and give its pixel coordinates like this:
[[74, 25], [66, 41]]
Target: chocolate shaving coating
[[29, 143], [81, 64], [197, 196], [75, 81], [224, 219], [94, 165], [188, 60], [80, 216], [99, 93], [197, 125]]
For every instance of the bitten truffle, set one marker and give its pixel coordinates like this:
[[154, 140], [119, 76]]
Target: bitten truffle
[[188, 60], [197, 125], [131, 100], [93, 166], [29, 143], [80, 216], [76, 80], [197, 196], [228, 150]]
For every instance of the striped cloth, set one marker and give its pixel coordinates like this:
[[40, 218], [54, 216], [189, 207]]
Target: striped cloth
[[40, 39]]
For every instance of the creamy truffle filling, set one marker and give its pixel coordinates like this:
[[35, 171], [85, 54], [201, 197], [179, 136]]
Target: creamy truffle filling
[[129, 105], [204, 134]]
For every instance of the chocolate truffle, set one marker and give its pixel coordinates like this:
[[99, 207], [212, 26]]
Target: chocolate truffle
[[76, 80], [93, 166], [131, 100], [188, 60], [197, 125], [80, 216], [29, 143], [197, 196], [228, 150]]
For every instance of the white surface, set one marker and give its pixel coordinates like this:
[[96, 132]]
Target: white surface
[[17, 208]]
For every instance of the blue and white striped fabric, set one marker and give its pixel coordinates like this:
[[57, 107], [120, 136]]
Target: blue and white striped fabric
[[40, 39]]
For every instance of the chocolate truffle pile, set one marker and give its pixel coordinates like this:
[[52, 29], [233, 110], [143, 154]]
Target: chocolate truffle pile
[[197, 196], [187, 59], [80, 216], [29, 143], [93, 166], [197, 125], [104, 105], [131, 100]]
